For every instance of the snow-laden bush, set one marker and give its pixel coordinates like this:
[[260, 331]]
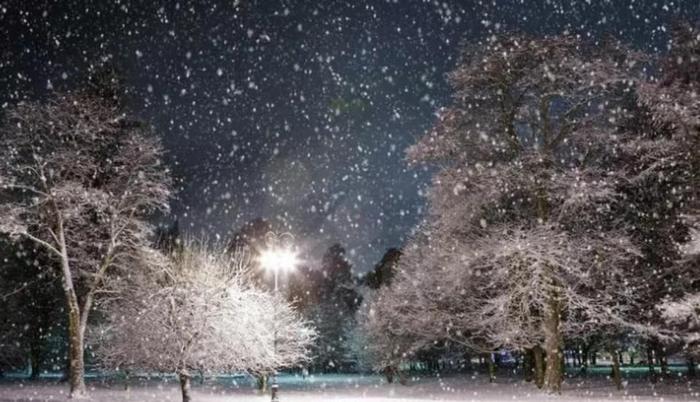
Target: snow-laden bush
[[197, 312]]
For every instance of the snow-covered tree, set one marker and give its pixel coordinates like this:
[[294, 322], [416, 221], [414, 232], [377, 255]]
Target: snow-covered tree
[[665, 192], [396, 321], [521, 246], [375, 344], [381, 342], [197, 311], [78, 178]]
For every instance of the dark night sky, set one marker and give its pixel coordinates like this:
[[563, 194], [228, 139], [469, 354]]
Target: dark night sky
[[296, 111]]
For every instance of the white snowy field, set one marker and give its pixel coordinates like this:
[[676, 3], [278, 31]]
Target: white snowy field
[[346, 388]]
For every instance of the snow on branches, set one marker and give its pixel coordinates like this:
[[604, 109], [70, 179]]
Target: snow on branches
[[79, 179], [684, 317], [522, 244], [196, 311]]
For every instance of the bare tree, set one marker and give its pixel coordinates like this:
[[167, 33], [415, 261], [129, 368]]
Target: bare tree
[[78, 178], [197, 312]]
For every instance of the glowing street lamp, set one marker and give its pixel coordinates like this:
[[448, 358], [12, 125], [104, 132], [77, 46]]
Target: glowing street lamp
[[278, 257]]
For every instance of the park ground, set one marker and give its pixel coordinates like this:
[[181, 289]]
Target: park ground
[[346, 388]]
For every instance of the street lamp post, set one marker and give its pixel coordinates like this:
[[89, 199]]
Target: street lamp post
[[278, 256]]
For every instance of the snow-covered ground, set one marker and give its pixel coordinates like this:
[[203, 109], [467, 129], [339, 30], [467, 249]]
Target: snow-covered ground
[[346, 388]]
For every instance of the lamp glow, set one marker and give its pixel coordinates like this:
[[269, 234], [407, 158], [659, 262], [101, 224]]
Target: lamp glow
[[275, 259]]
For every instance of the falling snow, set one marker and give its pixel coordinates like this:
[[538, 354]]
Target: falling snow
[[382, 200]]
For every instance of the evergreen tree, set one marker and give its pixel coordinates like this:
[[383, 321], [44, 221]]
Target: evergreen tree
[[384, 271], [31, 311], [333, 314]]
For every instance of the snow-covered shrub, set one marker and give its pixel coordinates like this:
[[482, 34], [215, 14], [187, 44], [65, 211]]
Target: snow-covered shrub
[[196, 312]]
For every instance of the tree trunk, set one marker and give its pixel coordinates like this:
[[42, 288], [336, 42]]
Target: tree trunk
[[126, 380], [262, 383], [553, 374], [616, 374], [467, 361], [528, 365], [579, 358], [691, 367], [663, 360], [491, 367], [34, 360], [389, 372], [650, 361], [76, 334], [76, 324], [538, 357], [585, 351], [185, 387]]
